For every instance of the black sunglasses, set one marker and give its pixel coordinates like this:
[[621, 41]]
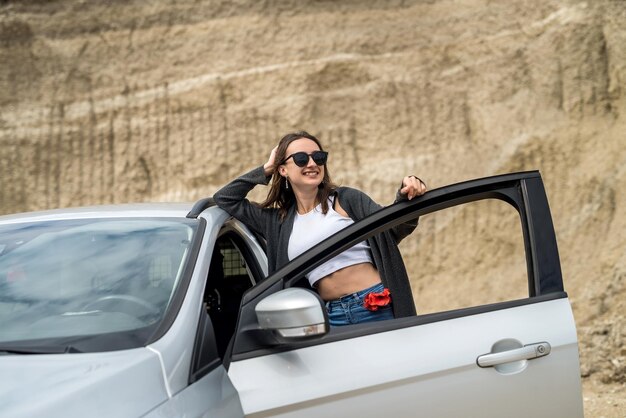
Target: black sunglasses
[[302, 158]]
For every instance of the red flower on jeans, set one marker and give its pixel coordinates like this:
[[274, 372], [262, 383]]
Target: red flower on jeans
[[373, 301]]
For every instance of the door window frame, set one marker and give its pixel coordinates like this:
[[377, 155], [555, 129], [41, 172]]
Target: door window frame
[[205, 356]]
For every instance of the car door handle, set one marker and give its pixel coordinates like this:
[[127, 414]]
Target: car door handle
[[527, 352]]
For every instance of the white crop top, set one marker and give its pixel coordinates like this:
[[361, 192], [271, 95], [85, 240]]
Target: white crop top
[[312, 228]]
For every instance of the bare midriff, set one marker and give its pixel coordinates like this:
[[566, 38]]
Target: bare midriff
[[348, 280]]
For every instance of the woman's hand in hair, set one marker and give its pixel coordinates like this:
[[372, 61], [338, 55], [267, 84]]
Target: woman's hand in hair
[[269, 165], [412, 187]]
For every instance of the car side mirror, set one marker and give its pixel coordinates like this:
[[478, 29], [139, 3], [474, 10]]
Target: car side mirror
[[293, 313]]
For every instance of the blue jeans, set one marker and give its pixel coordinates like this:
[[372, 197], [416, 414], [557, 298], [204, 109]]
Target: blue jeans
[[349, 309]]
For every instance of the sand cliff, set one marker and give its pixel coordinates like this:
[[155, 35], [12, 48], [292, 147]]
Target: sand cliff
[[116, 101]]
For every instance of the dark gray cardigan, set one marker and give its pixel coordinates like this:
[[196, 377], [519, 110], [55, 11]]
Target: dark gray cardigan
[[267, 223]]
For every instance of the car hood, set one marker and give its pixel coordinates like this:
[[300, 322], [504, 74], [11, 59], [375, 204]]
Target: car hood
[[126, 383]]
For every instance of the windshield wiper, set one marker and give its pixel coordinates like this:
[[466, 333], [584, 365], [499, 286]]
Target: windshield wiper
[[39, 350]]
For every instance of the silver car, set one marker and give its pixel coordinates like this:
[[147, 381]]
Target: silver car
[[168, 311]]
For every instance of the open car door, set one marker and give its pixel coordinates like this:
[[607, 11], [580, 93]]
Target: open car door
[[516, 357]]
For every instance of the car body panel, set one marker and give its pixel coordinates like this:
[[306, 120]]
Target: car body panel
[[126, 383], [139, 210], [212, 396], [427, 370]]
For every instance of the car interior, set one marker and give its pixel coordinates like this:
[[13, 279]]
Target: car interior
[[229, 277]]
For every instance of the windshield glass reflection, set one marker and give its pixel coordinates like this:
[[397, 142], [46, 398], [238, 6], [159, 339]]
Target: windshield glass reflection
[[75, 278]]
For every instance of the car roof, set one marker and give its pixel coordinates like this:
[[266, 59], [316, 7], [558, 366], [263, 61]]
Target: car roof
[[131, 210]]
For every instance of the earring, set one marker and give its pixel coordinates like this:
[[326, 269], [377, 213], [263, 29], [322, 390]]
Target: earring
[[286, 184]]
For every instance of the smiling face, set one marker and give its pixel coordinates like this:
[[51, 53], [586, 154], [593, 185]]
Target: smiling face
[[309, 176]]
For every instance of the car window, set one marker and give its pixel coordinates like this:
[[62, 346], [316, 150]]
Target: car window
[[467, 255], [67, 280]]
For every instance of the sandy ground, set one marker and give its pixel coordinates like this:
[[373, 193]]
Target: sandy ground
[[604, 401]]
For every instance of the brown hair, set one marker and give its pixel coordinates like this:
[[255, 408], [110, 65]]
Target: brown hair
[[279, 196]]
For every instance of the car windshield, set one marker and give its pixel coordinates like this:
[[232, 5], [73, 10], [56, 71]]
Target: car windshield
[[64, 282]]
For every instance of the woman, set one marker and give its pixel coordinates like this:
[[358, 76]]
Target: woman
[[367, 282]]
